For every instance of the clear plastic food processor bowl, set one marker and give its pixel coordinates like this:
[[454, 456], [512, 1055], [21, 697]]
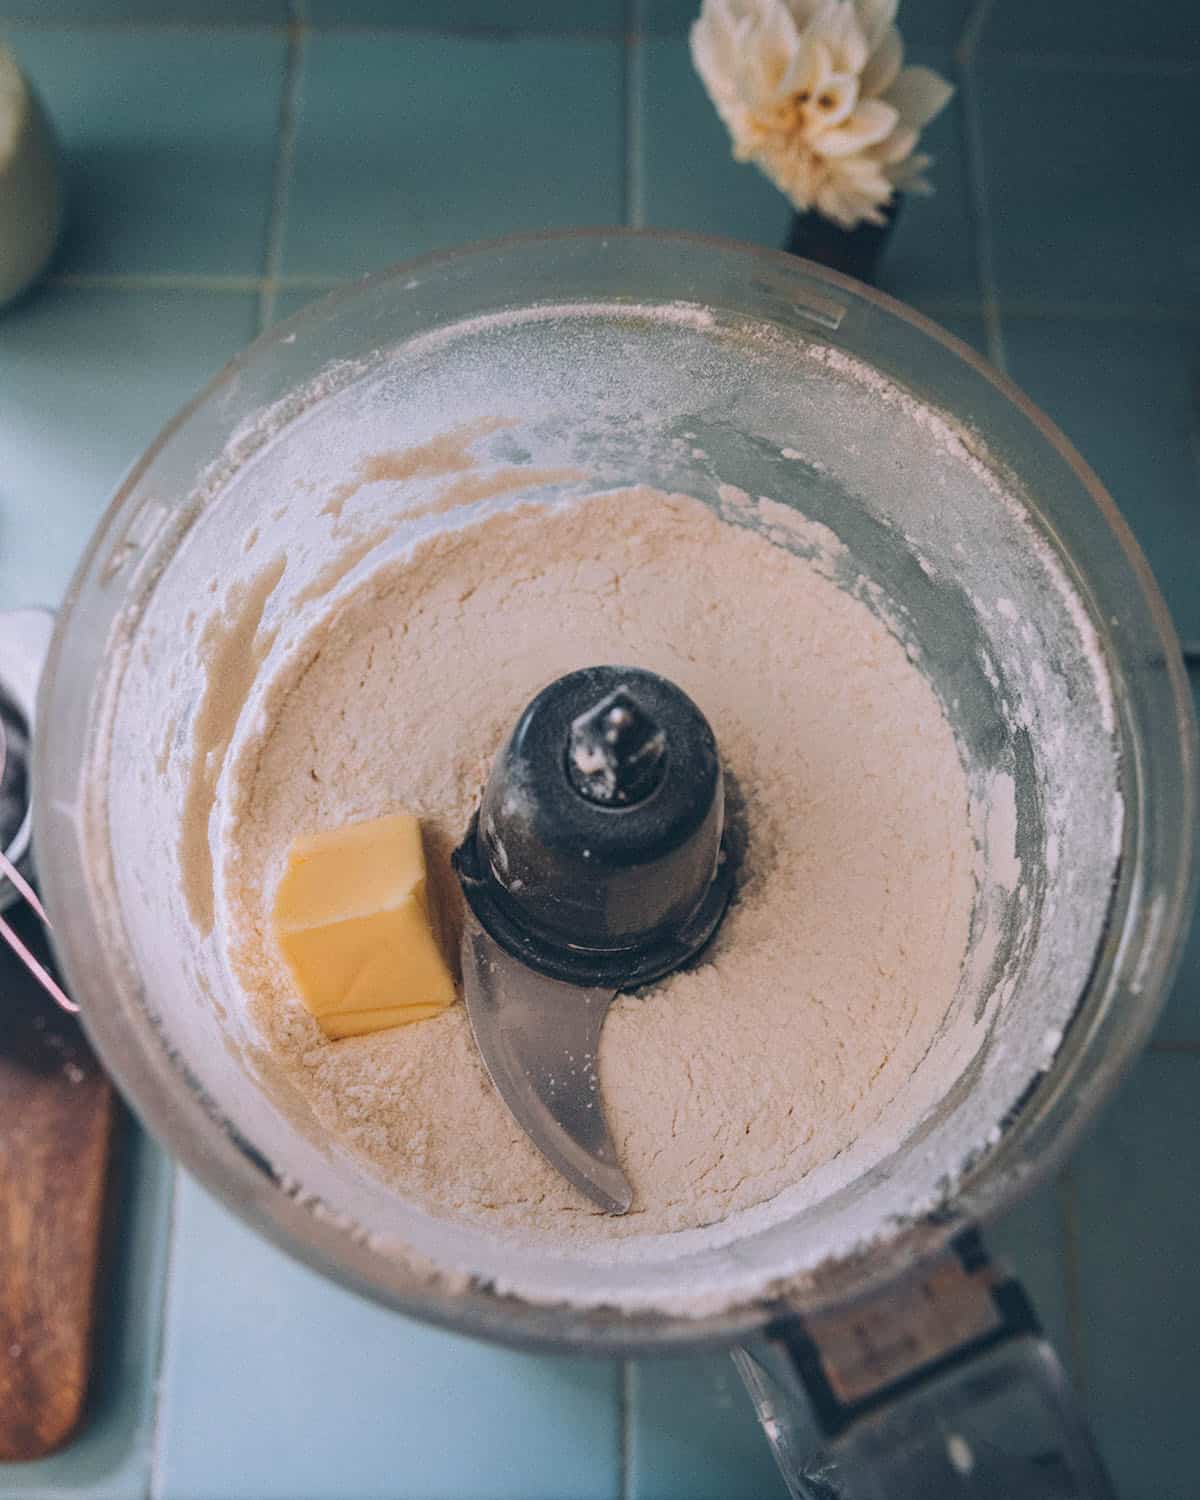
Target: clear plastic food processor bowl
[[964, 519]]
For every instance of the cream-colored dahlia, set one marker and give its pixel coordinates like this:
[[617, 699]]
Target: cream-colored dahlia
[[814, 93]]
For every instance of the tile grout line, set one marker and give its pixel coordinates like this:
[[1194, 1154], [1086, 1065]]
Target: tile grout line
[[132, 23], [626, 1395], [1083, 62], [972, 32], [1083, 311], [985, 273], [285, 155], [470, 33], [1166, 67], [280, 28], [171, 281], [1191, 649], [151, 281], [1068, 1223], [154, 1475]]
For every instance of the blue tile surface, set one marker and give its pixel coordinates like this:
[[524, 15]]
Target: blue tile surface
[[1030, 1240], [170, 142], [1124, 392], [88, 377], [110, 1457], [689, 180], [694, 1435], [1083, 176], [408, 142], [932, 249], [1139, 1253], [686, 177], [147, 12], [561, 16], [332, 1397], [1167, 30], [935, 23], [666, 17]]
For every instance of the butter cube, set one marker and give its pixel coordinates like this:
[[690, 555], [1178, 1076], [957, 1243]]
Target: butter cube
[[352, 921]]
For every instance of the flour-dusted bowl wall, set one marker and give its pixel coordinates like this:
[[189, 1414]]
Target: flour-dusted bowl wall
[[886, 455]]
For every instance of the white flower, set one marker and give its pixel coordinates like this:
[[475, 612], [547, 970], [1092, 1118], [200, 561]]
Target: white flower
[[813, 92]]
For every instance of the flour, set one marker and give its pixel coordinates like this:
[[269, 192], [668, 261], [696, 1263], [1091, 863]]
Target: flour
[[234, 649], [837, 964]]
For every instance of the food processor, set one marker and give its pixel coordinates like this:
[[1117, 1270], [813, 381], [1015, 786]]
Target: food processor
[[885, 1352]]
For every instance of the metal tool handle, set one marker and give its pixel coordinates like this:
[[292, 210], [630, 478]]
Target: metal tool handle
[[939, 1385], [24, 642]]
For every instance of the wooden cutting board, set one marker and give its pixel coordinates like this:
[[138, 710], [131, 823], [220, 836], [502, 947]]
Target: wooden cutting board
[[56, 1123]]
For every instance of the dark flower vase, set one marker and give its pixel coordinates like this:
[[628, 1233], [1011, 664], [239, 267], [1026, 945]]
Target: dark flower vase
[[854, 252]]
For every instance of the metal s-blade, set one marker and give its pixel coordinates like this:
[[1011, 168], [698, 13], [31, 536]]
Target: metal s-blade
[[538, 1038]]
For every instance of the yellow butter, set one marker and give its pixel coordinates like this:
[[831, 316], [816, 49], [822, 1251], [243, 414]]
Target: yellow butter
[[359, 1022], [352, 921]]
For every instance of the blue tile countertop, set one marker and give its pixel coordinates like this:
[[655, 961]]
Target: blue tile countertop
[[232, 159]]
